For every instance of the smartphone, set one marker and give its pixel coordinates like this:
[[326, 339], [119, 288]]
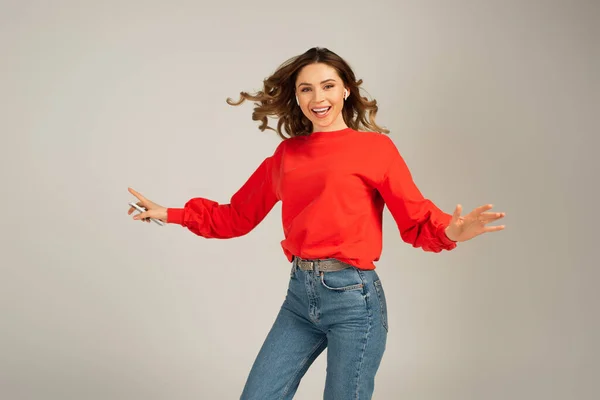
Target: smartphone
[[143, 209]]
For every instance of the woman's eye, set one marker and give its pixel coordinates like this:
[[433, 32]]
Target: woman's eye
[[305, 89], [329, 86]]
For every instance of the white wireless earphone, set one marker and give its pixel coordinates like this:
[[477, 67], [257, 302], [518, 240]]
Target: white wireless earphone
[[297, 101]]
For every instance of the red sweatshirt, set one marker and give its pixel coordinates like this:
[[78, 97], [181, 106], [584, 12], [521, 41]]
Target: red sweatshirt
[[333, 187]]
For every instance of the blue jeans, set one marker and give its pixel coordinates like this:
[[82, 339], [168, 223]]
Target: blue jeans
[[344, 311]]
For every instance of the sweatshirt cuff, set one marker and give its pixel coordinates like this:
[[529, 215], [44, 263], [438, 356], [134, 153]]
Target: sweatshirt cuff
[[175, 216], [446, 242]]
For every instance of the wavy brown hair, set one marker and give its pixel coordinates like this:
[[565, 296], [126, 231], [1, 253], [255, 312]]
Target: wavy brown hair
[[277, 99]]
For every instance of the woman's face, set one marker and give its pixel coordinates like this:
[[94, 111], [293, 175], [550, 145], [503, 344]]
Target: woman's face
[[320, 92]]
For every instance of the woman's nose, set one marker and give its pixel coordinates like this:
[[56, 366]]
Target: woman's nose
[[319, 96]]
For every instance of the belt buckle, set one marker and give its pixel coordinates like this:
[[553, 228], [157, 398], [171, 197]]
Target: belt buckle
[[306, 264]]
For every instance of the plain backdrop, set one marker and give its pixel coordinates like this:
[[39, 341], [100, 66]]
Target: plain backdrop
[[488, 101]]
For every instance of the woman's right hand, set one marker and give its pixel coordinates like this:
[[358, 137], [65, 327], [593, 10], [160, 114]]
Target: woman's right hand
[[153, 210]]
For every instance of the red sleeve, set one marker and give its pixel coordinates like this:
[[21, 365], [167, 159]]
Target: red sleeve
[[247, 208], [420, 222]]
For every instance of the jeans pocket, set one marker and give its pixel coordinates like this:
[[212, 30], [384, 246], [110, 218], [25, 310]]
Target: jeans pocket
[[342, 281], [382, 303]]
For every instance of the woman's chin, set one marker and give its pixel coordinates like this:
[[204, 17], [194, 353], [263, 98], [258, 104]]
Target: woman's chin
[[328, 123]]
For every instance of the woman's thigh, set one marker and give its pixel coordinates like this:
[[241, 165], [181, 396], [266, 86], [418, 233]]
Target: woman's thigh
[[356, 334], [291, 346]]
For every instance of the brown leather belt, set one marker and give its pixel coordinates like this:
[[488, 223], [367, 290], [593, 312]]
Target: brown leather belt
[[322, 265]]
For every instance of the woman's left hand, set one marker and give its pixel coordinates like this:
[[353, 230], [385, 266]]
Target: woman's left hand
[[473, 224]]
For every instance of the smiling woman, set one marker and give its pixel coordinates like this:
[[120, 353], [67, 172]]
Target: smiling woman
[[315, 91], [333, 175]]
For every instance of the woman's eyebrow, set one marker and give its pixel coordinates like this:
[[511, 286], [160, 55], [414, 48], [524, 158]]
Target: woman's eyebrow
[[308, 84]]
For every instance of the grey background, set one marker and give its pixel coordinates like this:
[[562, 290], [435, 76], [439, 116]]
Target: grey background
[[493, 101]]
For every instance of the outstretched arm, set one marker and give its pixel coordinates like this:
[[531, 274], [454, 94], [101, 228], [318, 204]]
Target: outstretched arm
[[207, 218], [246, 209], [420, 221]]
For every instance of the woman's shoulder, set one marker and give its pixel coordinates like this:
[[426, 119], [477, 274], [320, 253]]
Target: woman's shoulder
[[376, 139]]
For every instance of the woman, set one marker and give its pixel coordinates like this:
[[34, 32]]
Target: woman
[[334, 172]]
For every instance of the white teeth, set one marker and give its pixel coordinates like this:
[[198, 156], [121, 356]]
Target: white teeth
[[321, 111]]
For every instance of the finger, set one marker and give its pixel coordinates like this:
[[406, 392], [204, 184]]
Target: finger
[[482, 209], [494, 228], [457, 211], [141, 216], [136, 194], [131, 209], [493, 214], [489, 217]]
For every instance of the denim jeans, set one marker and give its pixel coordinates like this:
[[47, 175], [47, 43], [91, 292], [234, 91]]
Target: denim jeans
[[344, 311]]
